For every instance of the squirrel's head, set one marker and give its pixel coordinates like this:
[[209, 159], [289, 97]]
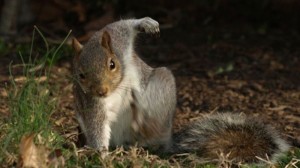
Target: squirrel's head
[[97, 70]]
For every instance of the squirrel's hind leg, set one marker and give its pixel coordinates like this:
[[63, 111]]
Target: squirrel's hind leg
[[154, 110]]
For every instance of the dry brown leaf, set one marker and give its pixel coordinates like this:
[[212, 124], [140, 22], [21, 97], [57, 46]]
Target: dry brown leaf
[[276, 65], [236, 84], [3, 93], [41, 79], [38, 156], [30, 154], [279, 108], [60, 121], [20, 79], [258, 87]]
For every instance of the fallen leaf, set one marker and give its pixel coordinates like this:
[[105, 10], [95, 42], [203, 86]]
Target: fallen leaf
[[38, 156], [279, 108], [3, 93], [41, 79], [20, 79], [60, 121], [30, 154]]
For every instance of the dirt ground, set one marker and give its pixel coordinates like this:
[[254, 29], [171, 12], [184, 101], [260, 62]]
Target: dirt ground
[[219, 67]]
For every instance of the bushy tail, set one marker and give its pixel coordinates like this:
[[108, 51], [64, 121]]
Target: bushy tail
[[240, 138]]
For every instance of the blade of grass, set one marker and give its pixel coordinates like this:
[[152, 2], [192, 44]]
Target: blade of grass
[[58, 48], [43, 37]]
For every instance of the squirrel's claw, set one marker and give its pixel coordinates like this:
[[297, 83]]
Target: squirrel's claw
[[149, 26]]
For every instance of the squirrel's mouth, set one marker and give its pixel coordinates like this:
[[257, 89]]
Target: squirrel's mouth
[[101, 95]]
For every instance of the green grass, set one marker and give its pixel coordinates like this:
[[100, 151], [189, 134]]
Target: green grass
[[293, 156], [32, 104]]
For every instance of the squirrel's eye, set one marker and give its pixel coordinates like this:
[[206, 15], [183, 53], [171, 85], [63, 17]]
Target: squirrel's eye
[[112, 65]]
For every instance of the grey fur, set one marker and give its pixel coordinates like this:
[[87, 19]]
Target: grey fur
[[155, 95]]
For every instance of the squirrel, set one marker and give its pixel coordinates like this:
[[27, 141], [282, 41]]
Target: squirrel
[[120, 101]]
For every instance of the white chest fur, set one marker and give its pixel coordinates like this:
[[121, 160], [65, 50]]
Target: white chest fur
[[118, 110], [119, 116]]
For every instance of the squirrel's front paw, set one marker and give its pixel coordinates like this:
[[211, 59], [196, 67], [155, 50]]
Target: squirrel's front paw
[[104, 153], [148, 25]]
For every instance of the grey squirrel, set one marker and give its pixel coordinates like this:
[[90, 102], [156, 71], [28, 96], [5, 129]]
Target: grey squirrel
[[120, 100]]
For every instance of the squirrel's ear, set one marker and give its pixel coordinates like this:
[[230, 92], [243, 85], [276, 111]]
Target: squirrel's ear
[[76, 46], [106, 41]]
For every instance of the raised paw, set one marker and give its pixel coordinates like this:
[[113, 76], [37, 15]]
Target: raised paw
[[149, 26]]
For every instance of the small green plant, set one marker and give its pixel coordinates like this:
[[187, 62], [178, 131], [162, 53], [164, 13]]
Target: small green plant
[[30, 102], [292, 159]]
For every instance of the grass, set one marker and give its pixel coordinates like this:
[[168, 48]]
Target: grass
[[32, 104], [291, 160]]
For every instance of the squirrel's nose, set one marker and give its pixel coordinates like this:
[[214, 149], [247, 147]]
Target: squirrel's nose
[[102, 91]]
